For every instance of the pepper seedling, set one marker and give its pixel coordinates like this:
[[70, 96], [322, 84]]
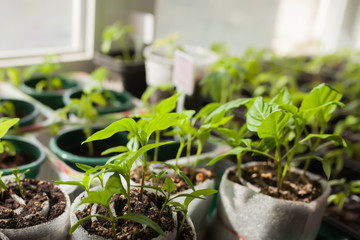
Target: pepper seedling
[[348, 189], [47, 69], [2, 186], [18, 177], [5, 125]]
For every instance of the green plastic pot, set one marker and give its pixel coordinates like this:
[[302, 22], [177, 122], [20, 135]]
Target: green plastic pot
[[66, 145], [123, 100], [24, 146], [53, 99], [27, 109]]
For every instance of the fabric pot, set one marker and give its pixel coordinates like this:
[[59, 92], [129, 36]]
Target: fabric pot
[[132, 74], [29, 149], [27, 111], [56, 229], [52, 99], [81, 233], [67, 142], [245, 214], [159, 68], [122, 100]]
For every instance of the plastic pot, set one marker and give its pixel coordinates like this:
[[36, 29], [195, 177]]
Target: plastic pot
[[53, 99], [122, 100], [28, 111], [66, 145], [56, 229], [132, 73], [159, 68], [243, 213], [26, 148]]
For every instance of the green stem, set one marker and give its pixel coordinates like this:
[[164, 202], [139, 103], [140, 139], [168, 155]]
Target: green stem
[[156, 151], [125, 51], [113, 223], [279, 167], [181, 225], [198, 152], [239, 161], [312, 150], [129, 195], [181, 148], [188, 148], [143, 175]]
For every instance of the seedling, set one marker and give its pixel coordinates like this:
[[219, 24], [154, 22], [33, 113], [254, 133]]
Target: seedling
[[2, 186], [117, 32], [12, 74], [18, 179], [168, 44], [279, 122], [5, 125], [348, 189], [47, 69]]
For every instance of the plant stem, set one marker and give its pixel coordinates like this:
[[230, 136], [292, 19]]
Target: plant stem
[[279, 167], [113, 223], [198, 152], [312, 150], [181, 225], [188, 148], [129, 195], [156, 151], [181, 148], [125, 51], [239, 161], [143, 175]]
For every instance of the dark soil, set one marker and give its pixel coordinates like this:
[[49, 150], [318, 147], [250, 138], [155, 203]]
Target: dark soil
[[127, 229], [7, 161], [349, 216], [295, 187], [200, 176], [34, 200], [186, 232]]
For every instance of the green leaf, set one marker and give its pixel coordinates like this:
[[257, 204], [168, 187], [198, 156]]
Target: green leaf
[[273, 125], [206, 110], [125, 124], [84, 167], [234, 151], [2, 184], [14, 76], [167, 105], [161, 122], [117, 149], [337, 139], [326, 165], [198, 193], [227, 106], [9, 147], [320, 103], [73, 183], [102, 197], [142, 219], [257, 113], [114, 184], [169, 185], [6, 124], [98, 99], [283, 97]]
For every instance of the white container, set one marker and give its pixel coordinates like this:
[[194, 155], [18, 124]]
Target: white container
[[245, 214], [159, 68], [56, 229]]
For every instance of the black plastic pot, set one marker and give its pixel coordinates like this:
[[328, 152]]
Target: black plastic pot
[[26, 111], [122, 101], [53, 99], [133, 73]]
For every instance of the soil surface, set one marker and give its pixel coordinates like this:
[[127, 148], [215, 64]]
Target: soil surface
[[36, 194], [127, 229], [186, 232], [349, 216], [7, 161], [295, 187], [200, 176]]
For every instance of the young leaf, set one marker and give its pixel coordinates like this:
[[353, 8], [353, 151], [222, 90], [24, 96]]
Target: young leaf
[[125, 124], [161, 122], [6, 124], [2, 184], [234, 151], [273, 125], [169, 185], [227, 106], [198, 193], [117, 149], [337, 139], [257, 113], [283, 98], [167, 105]]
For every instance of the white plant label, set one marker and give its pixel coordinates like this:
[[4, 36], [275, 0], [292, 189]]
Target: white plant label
[[184, 72]]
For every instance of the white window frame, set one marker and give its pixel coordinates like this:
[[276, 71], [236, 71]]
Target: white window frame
[[82, 44]]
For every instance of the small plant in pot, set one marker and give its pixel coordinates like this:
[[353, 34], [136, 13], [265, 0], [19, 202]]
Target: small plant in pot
[[293, 199], [12, 108], [33, 209], [105, 100], [18, 152], [126, 63], [67, 143], [126, 209], [47, 87]]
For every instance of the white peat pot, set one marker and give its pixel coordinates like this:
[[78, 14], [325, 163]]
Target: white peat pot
[[56, 229], [159, 68], [245, 214], [81, 234]]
